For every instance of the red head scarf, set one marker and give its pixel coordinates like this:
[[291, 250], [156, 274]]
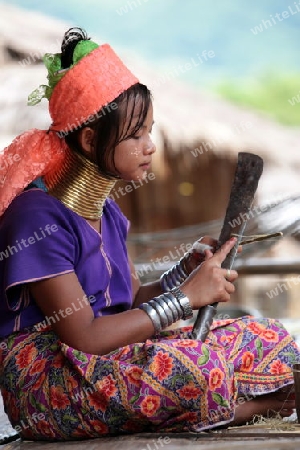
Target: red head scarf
[[96, 80]]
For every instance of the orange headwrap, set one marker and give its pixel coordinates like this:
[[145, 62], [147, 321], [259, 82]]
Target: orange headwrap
[[96, 80]]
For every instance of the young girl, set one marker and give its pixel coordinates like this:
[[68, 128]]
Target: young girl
[[83, 351]]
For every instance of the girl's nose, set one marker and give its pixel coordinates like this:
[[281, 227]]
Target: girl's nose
[[150, 147]]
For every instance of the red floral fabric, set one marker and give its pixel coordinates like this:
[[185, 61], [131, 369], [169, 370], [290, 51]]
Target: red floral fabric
[[170, 383]]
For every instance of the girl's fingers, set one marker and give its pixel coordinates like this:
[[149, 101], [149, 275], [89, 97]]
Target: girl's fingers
[[221, 254], [230, 275], [208, 254], [229, 287]]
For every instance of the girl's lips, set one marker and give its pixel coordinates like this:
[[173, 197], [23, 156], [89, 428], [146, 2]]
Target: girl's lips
[[145, 165]]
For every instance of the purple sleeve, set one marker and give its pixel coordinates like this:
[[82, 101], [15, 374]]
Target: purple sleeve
[[39, 244]]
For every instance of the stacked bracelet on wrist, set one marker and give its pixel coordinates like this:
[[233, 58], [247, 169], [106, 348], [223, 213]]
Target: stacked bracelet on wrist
[[179, 272], [167, 309], [184, 303], [175, 276]]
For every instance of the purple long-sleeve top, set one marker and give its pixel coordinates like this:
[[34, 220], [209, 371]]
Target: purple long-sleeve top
[[40, 238]]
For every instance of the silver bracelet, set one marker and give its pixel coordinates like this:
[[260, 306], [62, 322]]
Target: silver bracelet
[[163, 283], [175, 276], [160, 311], [152, 313], [174, 305], [166, 309], [181, 268], [184, 303]]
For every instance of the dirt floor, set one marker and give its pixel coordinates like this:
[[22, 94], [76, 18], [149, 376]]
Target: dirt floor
[[271, 436]]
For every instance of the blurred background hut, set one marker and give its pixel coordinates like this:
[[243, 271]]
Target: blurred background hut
[[198, 136]]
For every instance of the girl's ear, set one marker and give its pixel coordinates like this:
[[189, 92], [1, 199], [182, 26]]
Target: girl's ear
[[86, 139]]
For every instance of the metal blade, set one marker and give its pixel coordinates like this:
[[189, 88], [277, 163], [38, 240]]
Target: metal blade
[[248, 172]]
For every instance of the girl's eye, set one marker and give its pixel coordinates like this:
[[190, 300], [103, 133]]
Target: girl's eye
[[136, 137]]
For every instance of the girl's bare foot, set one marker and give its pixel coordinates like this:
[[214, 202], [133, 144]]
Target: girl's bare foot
[[281, 402]]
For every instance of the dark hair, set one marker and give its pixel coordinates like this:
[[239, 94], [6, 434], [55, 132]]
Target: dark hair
[[110, 124]]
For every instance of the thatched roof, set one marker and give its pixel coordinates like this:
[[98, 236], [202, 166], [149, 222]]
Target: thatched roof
[[28, 33], [186, 116]]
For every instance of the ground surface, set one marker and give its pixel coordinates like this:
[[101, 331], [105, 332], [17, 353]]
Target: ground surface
[[248, 438]]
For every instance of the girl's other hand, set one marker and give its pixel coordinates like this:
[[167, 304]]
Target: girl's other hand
[[202, 250], [210, 283], [197, 254]]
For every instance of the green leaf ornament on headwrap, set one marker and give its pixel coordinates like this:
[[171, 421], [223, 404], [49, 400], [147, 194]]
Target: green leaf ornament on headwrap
[[55, 71]]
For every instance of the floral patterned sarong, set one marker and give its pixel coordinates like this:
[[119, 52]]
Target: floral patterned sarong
[[170, 383]]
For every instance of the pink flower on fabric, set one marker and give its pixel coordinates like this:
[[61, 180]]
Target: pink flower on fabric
[[162, 365], [150, 405], [216, 378], [37, 367], [247, 361], [59, 399], [134, 375], [26, 356], [270, 336], [256, 328], [277, 367], [107, 386], [227, 338], [189, 391]]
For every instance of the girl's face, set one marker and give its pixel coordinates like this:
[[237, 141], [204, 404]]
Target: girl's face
[[133, 155]]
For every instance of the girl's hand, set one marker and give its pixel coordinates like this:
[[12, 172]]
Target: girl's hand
[[197, 254], [210, 283]]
